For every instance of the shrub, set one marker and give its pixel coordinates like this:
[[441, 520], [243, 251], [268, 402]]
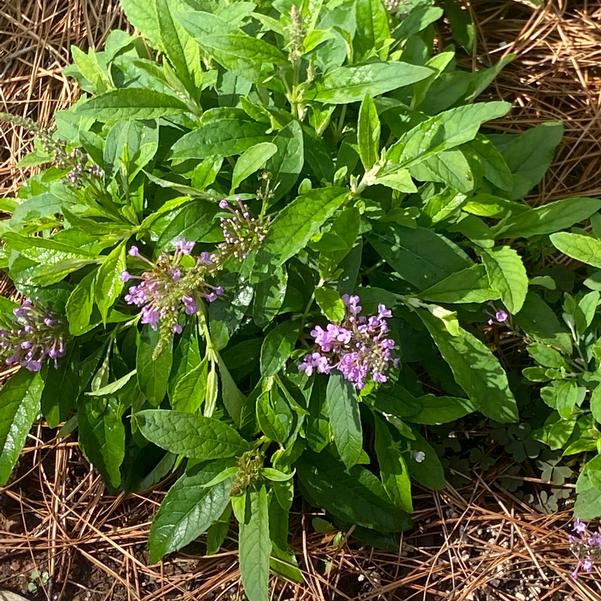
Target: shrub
[[262, 254]]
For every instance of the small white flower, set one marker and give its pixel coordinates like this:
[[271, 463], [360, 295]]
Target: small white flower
[[419, 456]]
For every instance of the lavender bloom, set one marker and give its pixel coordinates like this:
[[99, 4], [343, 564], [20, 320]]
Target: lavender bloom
[[242, 233], [498, 317], [358, 348], [184, 246], [579, 527], [168, 288], [586, 545], [35, 335]]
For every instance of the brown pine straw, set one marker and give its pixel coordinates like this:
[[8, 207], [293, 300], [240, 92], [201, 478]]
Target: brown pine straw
[[476, 542], [556, 77]]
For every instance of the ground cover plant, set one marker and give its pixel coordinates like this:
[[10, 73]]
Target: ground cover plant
[[263, 257]]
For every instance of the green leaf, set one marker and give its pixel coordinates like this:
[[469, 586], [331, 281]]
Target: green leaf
[[277, 347], [269, 296], [429, 471], [546, 356], [596, 404], [339, 240], [275, 416], [193, 221], [443, 132], [222, 132], [355, 496], [578, 246], [190, 435], [236, 51], [255, 544], [19, 408], [373, 34], [393, 468], [180, 47], [588, 499], [419, 255], [287, 163], [400, 180], [468, 285], [507, 275], [548, 218], [131, 103], [188, 509], [190, 389], [417, 20], [62, 387], [109, 284], [368, 131], [345, 419], [232, 396], [449, 167], [436, 410], [555, 432], [297, 222], [113, 387], [528, 155], [330, 303], [102, 436], [564, 396], [488, 162], [539, 321], [80, 304], [153, 372], [352, 84], [142, 15], [48, 252], [462, 24], [250, 161], [475, 368]]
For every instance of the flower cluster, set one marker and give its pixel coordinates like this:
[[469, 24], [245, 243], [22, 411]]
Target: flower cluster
[[172, 285], [242, 232], [80, 165], [359, 348], [77, 160], [34, 336], [167, 286], [586, 545]]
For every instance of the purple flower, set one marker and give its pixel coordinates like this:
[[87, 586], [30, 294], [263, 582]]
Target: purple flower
[[177, 328], [150, 316], [184, 246], [205, 258], [358, 348], [35, 335], [313, 362], [501, 316], [190, 306], [125, 276], [579, 527], [588, 565], [134, 251], [223, 204], [352, 304]]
